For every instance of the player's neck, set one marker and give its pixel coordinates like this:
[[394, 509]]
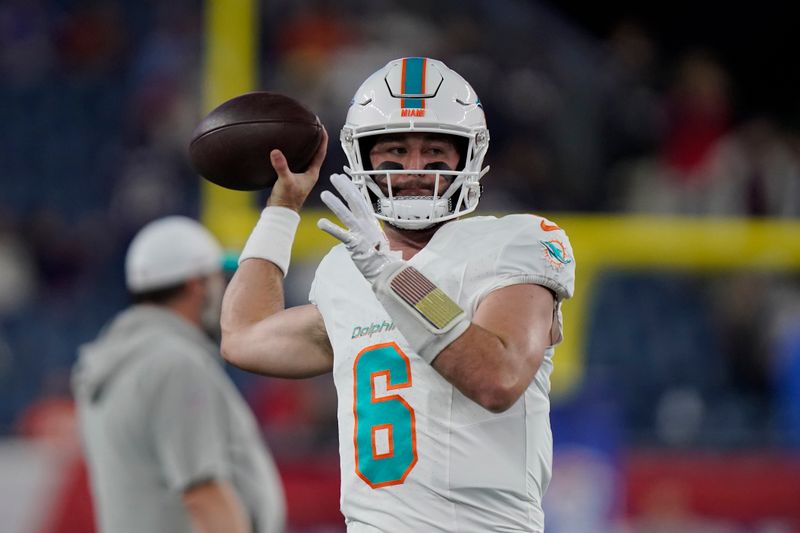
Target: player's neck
[[409, 242]]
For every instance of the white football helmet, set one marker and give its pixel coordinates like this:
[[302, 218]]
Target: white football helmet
[[417, 94]]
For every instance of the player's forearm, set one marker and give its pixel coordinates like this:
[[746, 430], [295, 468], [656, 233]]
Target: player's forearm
[[254, 294], [487, 370], [256, 290], [214, 507]]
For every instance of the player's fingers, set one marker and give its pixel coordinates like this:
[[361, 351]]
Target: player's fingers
[[352, 195], [279, 163], [319, 156], [346, 187], [340, 183], [339, 209], [332, 229], [360, 206]]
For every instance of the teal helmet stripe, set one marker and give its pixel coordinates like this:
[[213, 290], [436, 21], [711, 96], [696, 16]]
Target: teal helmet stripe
[[413, 81]]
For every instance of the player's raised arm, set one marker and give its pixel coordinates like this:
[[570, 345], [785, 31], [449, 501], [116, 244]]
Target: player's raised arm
[[258, 333]]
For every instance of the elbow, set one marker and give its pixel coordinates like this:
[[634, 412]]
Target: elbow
[[228, 347], [499, 404], [499, 395], [506, 384], [502, 388], [227, 339]]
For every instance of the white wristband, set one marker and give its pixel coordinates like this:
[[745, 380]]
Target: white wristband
[[272, 237], [424, 314]]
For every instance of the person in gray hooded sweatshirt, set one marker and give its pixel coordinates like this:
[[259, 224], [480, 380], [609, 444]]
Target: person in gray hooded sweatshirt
[[170, 443]]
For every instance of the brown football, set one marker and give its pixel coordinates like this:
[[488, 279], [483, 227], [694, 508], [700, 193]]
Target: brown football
[[231, 145]]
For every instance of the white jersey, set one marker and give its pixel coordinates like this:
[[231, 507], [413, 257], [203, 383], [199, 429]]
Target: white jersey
[[416, 454]]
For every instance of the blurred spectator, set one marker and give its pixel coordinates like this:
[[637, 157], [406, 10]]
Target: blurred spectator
[[709, 165], [698, 114], [170, 444]]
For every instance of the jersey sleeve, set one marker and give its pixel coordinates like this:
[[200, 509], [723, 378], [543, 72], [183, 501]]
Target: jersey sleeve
[[536, 251], [188, 424]]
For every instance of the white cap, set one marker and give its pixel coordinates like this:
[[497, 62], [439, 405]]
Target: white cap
[[168, 251]]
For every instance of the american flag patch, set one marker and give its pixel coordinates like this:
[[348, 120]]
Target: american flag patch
[[428, 299]]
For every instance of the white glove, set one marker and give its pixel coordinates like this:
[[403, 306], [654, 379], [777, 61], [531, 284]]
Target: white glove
[[363, 238], [424, 314]]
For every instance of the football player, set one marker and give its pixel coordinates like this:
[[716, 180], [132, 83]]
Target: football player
[[439, 330]]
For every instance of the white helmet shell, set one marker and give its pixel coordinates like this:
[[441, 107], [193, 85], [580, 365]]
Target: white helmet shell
[[168, 251], [422, 95]]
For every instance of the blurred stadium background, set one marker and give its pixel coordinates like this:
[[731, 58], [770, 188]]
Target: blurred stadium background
[[664, 138]]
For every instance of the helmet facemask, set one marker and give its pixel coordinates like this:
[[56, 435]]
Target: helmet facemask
[[447, 107], [458, 197]]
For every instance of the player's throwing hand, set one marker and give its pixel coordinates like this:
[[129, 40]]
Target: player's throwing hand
[[291, 189]]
